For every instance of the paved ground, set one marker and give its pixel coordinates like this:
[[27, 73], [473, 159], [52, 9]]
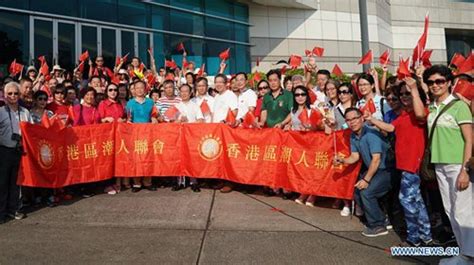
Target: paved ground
[[166, 227]]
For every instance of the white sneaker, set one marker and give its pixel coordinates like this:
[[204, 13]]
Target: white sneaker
[[309, 204], [346, 211], [299, 201]]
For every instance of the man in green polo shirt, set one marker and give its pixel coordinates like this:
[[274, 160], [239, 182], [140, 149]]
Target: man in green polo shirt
[[277, 103]]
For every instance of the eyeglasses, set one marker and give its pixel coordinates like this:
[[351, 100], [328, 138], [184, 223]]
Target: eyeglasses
[[365, 84], [437, 82], [353, 119], [58, 92], [42, 99], [406, 94], [99, 61], [13, 93], [341, 92], [300, 95], [392, 99], [113, 90], [263, 87]]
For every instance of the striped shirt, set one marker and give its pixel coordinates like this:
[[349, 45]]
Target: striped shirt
[[164, 103]]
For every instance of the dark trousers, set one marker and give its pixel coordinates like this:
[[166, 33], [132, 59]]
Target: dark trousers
[[9, 191]]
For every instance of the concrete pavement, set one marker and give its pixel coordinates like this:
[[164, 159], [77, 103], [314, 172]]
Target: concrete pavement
[[183, 227]]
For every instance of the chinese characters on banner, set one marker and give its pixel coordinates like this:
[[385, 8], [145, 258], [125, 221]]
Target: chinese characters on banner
[[296, 161]]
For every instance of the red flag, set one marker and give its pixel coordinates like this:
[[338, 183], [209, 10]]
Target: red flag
[[84, 56], [115, 80], [421, 44], [403, 69], [367, 58], [180, 47], [205, 109], [425, 58], [312, 96], [466, 66], [370, 106], [385, 58], [308, 53], [45, 120], [249, 120], [303, 117], [15, 68], [315, 118], [318, 51], [169, 76], [337, 70], [42, 59], [257, 77], [465, 88], [457, 60], [141, 67], [225, 54], [201, 70], [295, 61], [151, 80], [56, 123], [283, 70], [117, 60], [172, 113], [170, 64], [44, 69], [230, 118]]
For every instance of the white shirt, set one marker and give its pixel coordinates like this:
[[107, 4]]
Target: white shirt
[[321, 97], [222, 103], [190, 110], [246, 100], [210, 102]]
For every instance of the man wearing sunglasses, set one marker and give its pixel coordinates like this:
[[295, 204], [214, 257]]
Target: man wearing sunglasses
[[10, 150]]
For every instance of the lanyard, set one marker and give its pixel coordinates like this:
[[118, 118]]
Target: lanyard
[[10, 116]]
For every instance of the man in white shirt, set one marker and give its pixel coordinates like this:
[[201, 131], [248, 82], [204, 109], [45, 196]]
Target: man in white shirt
[[202, 96], [247, 98], [224, 100]]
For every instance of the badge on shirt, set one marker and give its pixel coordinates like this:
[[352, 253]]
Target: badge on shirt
[[280, 103]]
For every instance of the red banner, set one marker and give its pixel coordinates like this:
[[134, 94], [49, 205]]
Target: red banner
[[296, 161]]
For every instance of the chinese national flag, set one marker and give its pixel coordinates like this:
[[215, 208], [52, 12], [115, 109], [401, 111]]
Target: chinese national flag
[[337, 70], [367, 58], [117, 60], [115, 80], [466, 66], [56, 123], [315, 118], [141, 67], [420, 46], [15, 68], [303, 117], [425, 58], [170, 64], [312, 96], [230, 118], [180, 47], [185, 63], [201, 70], [45, 120], [403, 69], [308, 53], [257, 77], [42, 59], [84, 56], [225, 54], [150, 78], [457, 60], [385, 58], [44, 69], [318, 51], [205, 109], [249, 120], [172, 113], [465, 88], [370, 106], [295, 61], [283, 70], [169, 76]]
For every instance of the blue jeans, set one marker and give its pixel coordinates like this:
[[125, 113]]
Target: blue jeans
[[368, 198], [416, 216]]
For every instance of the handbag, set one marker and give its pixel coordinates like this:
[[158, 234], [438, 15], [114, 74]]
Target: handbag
[[427, 171]]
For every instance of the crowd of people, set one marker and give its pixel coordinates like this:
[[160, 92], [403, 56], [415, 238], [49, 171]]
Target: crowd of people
[[392, 121]]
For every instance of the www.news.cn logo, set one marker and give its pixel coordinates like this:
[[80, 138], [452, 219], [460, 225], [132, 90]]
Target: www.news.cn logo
[[424, 251]]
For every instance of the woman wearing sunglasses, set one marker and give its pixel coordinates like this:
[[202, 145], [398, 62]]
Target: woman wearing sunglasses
[[40, 101], [262, 88]]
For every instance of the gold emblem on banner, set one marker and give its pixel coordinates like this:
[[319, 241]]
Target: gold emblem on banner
[[210, 147], [46, 154]]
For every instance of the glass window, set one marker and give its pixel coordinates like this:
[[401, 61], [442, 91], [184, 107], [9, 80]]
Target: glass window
[[241, 12], [43, 42], [61, 7], [219, 8], [89, 40], [242, 58], [66, 45], [128, 43], [109, 50], [143, 46], [217, 28], [241, 32], [161, 49], [459, 41], [15, 4], [194, 5], [213, 49], [186, 23], [103, 10], [13, 39], [132, 13], [160, 18], [194, 50]]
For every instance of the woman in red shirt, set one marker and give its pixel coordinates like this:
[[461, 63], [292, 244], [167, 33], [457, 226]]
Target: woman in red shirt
[[110, 109], [86, 113]]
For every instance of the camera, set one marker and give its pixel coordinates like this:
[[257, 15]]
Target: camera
[[16, 137]]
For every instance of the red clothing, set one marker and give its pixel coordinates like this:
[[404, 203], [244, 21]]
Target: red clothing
[[104, 71], [410, 141], [58, 109], [107, 108], [84, 115], [258, 108]]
